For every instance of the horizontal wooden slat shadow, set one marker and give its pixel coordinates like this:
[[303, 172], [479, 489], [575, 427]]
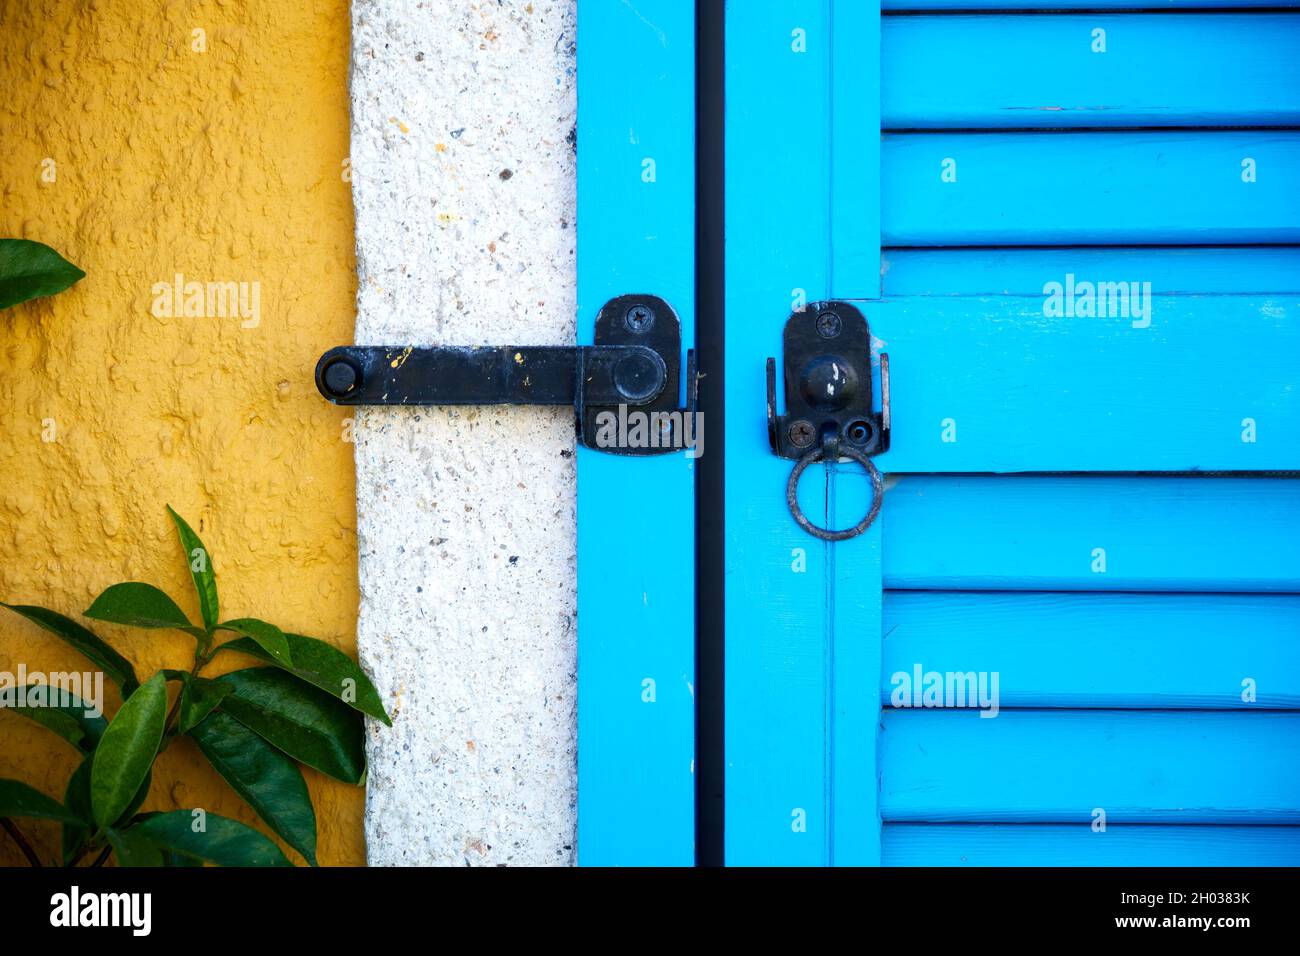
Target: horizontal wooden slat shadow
[[1085, 650], [995, 71], [995, 384], [1273, 270], [1027, 766], [1139, 187], [905, 844], [1094, 533]]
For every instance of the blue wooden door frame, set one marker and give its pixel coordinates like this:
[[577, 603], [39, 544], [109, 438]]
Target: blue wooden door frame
[[636, 573]]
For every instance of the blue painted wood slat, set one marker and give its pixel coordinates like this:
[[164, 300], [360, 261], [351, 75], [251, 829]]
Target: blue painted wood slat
[[1090, 70], [1092, 533], [1103, 650], [636, 583], [908, 844], [1160, 187], [1063, 766], [1049, 7], [994, 384], [1272, 270]]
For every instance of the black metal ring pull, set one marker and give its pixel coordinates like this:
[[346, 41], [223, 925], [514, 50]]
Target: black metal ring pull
[[828, 402], [819, 453]]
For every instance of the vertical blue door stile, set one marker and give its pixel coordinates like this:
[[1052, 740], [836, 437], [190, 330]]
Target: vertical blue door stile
[[855, 589], [636, 577], [854, 193], [803, 640]]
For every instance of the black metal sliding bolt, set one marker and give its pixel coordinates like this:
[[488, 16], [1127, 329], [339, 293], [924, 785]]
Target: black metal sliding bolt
[[634, 366]]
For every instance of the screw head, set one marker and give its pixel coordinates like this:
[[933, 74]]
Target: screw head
[[639, 318], [802, 433], [340, 377], [828, 325]]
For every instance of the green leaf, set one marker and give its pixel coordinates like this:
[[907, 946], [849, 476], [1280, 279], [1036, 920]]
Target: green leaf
[[270, 781], [211, 837], [198, 697], [29, 270], [172, 858], [17, 799], [268, 637], [58, 710], [323, 666], [77, 799], [127, 750], [140, 605], [134, 849], [169, 857], [116, 667], [299, 719], [200, 562]]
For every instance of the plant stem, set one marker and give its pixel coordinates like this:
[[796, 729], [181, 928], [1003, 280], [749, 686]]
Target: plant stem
[[202, 653], [169, 728], [103, 857], [77, 859], [11, 828], [90, 843]]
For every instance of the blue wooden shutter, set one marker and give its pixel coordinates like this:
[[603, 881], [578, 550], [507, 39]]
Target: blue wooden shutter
[[1100, 509]]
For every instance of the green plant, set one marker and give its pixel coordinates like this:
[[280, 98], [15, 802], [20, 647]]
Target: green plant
[[254, 726], [30, 269]]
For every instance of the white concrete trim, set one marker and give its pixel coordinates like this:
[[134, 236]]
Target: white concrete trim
[[463, 178]]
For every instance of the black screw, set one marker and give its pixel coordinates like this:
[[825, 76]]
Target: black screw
[[340, 377], [828, 325], [802, 433], [639, 318]]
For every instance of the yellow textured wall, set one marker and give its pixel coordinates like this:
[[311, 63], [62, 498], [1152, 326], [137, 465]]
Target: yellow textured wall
[[222, 165]]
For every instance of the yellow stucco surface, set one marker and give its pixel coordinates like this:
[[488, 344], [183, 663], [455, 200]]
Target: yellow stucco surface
[[224, 165]]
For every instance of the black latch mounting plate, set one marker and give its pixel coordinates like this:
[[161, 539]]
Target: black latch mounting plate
[[826, 374]]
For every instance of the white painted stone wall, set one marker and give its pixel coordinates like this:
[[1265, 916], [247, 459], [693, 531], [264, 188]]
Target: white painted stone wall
[[463, 178]]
